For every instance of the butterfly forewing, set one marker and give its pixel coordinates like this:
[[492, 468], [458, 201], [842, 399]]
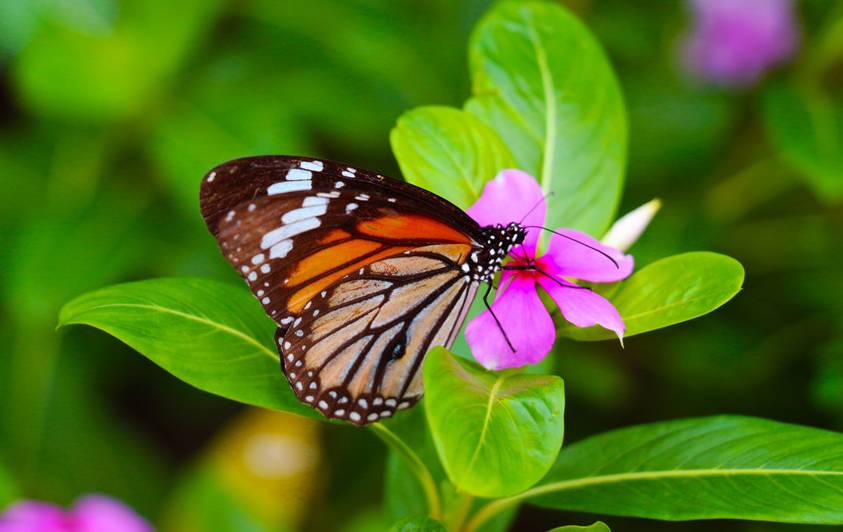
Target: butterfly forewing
[[293, 226], [362, 273]]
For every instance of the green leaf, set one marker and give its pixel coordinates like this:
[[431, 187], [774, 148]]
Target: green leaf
[[669, 291], [598, 526], [209, 334], [496, 433], [542, 82], [806, 126], [418, 524], [708, 468], [449, 152]]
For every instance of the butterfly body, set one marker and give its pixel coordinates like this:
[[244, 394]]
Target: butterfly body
[[363, 274]]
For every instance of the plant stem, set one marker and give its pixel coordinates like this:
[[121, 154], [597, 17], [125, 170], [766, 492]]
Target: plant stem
[[455, 515], [488, 511], [423, 475]]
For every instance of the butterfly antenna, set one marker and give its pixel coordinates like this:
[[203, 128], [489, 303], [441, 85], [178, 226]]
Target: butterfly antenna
[[577, 241], [497, 321]]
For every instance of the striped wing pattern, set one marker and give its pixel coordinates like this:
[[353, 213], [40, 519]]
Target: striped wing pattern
[[363, 274], [356, 351]]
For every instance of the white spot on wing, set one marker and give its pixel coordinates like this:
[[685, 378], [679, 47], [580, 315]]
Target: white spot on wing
[[287, 186], [350, 207], [297, 174], [280, 250], [303, 213], [211, 176], [310, 201], [257, 259], [286, 231], [316, 166]]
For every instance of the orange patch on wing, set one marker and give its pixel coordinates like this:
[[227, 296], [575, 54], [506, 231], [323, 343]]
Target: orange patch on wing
[[333, 236], [330, 258], [411, 227], [307, 292]]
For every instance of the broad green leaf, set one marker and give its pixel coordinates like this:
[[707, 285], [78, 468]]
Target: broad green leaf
[[418, 524], [449, 152], [806, 126], [598, 526], [209, 334], [667, 292], [496, 433], [718, 467], [544, 85]]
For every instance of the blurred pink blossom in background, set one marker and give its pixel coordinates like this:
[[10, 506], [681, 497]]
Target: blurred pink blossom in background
[[91, 513], [734, 42]]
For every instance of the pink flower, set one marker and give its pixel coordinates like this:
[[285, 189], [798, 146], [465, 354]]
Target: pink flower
[[512, 196], [92, 513], [734, 42]]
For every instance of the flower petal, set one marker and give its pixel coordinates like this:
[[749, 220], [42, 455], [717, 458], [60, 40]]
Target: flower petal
[[526, 322], [512, 196], [580, 256], [98, 513], [629, 227], [584, 308]]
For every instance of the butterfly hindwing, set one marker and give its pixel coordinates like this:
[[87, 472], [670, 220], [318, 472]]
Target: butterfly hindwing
[[356, 350]]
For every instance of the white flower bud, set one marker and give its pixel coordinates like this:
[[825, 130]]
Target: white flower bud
[[630, 226]]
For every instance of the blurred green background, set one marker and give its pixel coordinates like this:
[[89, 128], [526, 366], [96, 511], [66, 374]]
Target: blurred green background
[[111, 111]]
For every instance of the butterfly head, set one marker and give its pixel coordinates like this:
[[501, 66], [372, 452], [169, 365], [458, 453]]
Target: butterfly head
[[499, 241]]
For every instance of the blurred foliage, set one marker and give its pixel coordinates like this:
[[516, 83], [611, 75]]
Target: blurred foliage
[[111, 111]]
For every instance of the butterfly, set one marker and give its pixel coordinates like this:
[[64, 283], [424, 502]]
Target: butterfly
[[363, 274]]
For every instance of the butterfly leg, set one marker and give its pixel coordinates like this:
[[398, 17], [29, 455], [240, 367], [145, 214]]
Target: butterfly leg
[[492, 312]]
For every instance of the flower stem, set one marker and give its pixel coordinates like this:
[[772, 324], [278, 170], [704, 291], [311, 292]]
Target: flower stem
[[418, 467]]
